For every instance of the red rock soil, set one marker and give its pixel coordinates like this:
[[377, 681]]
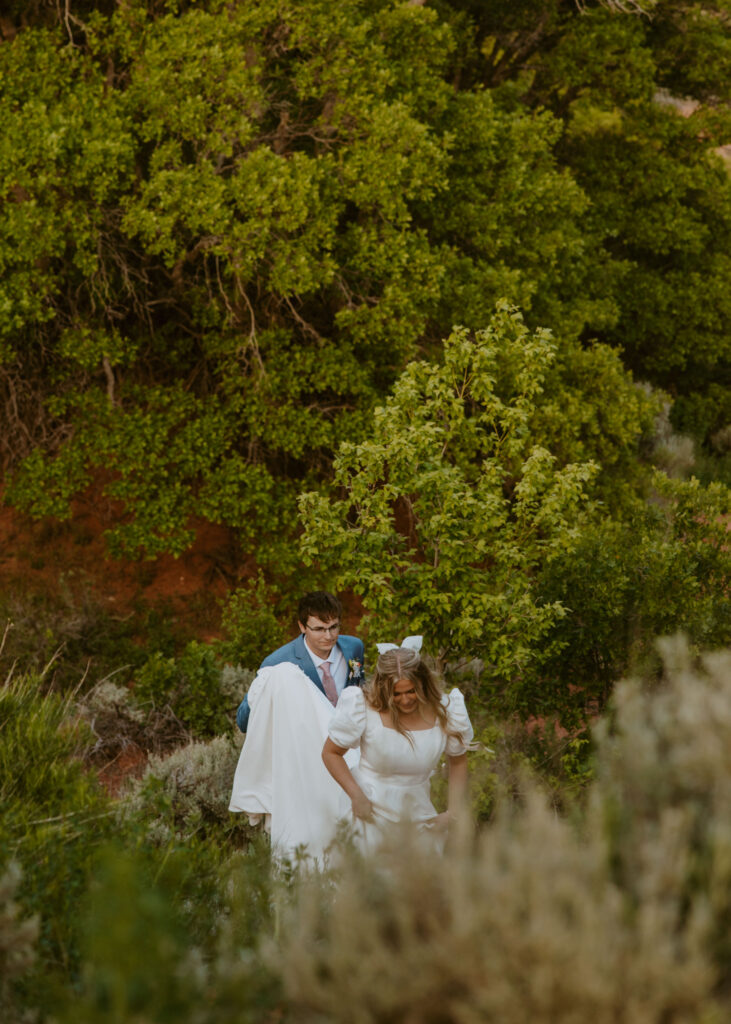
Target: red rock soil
[[36, 557]]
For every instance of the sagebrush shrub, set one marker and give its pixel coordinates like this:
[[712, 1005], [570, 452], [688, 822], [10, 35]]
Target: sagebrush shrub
[[187, 793], [663, 793], [189, 686]]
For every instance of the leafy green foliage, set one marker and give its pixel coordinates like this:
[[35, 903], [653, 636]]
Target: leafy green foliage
[[189, 685], [65, 153], [643, 103], [451, 505], [660, 198], [254, 217], [293, 201], [664, 568], [461, 517], [252, 621]]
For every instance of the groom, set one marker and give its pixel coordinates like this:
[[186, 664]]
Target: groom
[[330, 661]]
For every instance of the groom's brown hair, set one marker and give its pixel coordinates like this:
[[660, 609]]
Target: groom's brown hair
[[321, 604]]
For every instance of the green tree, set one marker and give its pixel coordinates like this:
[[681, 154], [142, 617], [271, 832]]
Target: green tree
[[660, 197], [492, 508], [443, 516], [258, 214], [642, 91]]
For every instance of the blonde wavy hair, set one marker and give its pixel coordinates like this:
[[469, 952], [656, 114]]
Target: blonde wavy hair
[[404, 663]]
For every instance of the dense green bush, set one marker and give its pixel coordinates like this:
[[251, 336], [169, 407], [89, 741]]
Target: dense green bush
[[441, 516], [190, 686], [464, 516], [665, 566], [252, 620]]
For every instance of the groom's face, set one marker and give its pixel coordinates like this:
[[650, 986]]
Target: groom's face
[[320, 634]]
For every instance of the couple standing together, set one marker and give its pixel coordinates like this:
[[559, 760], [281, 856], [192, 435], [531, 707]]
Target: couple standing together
[[324, 745]]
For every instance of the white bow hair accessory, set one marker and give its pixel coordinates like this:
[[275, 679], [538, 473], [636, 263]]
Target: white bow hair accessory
[[412, 642]]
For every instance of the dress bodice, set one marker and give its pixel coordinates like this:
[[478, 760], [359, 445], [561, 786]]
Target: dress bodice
[[394, 769], [402, 760]]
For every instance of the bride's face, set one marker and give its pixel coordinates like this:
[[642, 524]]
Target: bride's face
[[404, 696]]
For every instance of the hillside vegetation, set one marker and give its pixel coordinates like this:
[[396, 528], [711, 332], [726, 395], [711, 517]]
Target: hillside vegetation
[[426, 303]]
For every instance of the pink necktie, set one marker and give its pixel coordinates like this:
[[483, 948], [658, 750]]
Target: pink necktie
[[328, 683]]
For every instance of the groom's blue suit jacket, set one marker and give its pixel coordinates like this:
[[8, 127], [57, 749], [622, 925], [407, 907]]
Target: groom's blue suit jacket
[[295, 652]]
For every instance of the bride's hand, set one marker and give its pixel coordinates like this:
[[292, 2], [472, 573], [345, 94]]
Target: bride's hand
[[362, 807], [441, 822]]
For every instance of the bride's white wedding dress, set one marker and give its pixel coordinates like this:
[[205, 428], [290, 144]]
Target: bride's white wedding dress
[[394, 773], [280, 776]]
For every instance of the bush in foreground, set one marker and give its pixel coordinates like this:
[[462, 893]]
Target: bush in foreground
[[620, 918], [618, 913]]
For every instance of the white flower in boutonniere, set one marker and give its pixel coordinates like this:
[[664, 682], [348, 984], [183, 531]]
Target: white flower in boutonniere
[[355, 674]]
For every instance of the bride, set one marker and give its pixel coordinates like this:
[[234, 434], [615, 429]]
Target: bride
[[402, 723]]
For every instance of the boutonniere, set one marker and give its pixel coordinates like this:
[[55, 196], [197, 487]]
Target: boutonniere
[[355, 675]]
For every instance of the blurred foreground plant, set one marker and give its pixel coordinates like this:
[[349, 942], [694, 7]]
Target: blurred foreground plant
[[17, 943], [144, 962], [620, 918]]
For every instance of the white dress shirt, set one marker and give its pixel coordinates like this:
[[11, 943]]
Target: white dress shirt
[[338, 666]]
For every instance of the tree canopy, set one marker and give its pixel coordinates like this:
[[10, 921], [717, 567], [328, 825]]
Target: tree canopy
[[464, 514], [229, 228]]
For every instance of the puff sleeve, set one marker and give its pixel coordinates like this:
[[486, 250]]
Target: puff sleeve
[[348, 722], [458, 721]]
